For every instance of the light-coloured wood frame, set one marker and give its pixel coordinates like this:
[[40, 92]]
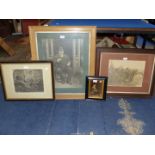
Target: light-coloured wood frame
[[92, 48]]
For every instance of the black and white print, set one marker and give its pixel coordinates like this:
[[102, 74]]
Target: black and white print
[[28, 80]]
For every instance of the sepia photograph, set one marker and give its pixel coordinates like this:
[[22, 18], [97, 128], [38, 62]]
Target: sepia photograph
[[96, 87], [72, 50]]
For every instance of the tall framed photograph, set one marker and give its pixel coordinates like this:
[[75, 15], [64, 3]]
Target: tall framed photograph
[[28, 80], [129, 71], [72, 50], [96, 87]]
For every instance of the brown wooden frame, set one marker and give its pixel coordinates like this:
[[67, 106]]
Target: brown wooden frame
[[130, 54], [91, 30], [126, 30], [9, 87]]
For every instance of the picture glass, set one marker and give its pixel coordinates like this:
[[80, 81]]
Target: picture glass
[[129, 71], [95, 88], [28, 80], [126, 73], [69, 52], [31, 80]]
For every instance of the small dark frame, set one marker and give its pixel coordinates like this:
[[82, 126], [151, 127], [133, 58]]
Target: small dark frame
[[96, 87], [44, 69], [106, 56]]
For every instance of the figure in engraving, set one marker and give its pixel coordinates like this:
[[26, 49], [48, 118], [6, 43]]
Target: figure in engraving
[[28, 80], [63, 69]]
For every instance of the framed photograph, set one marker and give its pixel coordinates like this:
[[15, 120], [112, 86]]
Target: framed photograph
[[27, 80], [72, 50], [96, 87], [129, 71]]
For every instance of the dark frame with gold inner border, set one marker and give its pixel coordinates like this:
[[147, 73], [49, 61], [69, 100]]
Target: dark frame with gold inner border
[[96, 87]]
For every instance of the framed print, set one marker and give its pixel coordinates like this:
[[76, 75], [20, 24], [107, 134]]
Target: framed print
[[96, 87], [129, 71], [72, 50], [27, 80]]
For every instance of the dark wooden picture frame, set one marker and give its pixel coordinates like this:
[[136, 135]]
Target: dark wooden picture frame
[[129, 71], [96, 87], [29, 80]]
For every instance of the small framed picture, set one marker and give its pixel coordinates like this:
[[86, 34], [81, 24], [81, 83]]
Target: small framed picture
[[96, 87], [28, 80]]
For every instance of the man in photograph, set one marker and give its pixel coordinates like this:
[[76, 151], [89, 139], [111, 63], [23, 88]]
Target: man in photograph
[[63, 67]]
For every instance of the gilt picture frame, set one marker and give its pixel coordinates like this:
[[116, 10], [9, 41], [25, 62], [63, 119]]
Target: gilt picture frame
[[28, 80], [72, 50], [129, 71], [96, 87]]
